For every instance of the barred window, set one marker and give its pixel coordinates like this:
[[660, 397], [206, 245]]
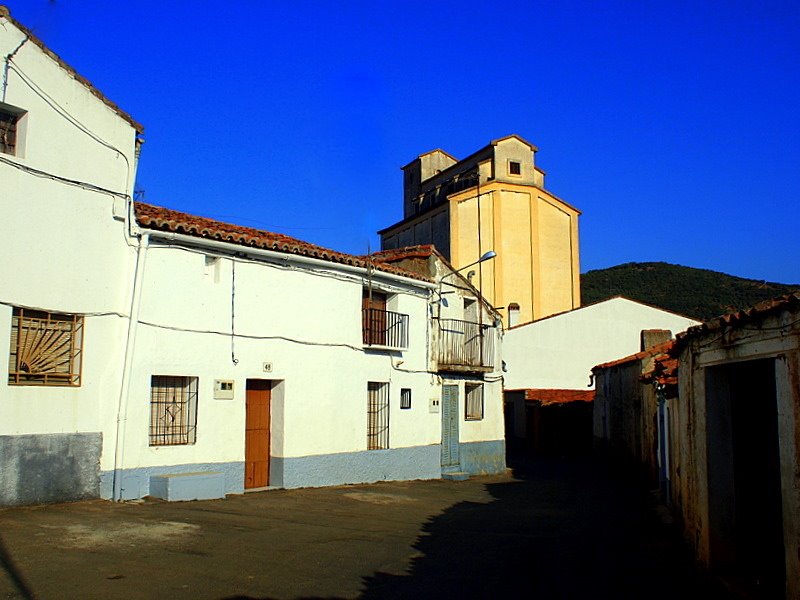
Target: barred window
[[173, 410], [9, 128], [405, 398], [45, 348], [377, 416], [474, 401]]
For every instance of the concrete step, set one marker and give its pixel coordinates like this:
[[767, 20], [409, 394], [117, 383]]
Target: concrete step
[[455, 476]]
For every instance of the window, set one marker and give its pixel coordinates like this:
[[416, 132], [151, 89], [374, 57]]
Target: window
[[45, 348], [474, 401], [377, 416], [381, 327], [9, 129], [173, 410], [514, 168], [373, 314], [405, 398]]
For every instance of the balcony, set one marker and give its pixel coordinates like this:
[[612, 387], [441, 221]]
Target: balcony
[[384, 328], [465, 345]]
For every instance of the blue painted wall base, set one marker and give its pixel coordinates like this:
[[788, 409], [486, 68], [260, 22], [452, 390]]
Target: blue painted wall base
[[188, 486], [135, 483], [396, 464], [483, 458]]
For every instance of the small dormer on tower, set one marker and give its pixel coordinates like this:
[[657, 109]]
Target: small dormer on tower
[[418, 171]]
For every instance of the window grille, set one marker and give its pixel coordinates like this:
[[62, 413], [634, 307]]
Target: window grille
[[45, 348], [377, 416], [173, 410], [8, 132], [474, 401], [405, 398]]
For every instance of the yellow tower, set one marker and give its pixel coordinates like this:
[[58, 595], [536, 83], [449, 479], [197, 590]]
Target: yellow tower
[[495, 200]]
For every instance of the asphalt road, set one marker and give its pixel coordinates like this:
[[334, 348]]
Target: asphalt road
[[553, 528]]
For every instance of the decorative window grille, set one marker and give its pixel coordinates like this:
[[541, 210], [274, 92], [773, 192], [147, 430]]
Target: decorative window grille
[[405, 398], [173, 410], [45, 348], [377, 416], [474, 401]]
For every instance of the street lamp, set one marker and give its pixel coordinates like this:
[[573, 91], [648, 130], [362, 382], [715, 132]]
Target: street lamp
[[486, 256]]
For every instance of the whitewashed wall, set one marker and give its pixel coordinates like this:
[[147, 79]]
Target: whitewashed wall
[[62, 249], [304, 320], [559, 352], [492, 427]]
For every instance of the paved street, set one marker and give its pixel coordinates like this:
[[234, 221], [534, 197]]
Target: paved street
[[550, 529]]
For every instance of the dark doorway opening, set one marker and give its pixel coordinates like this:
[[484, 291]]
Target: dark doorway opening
[[744, 487]]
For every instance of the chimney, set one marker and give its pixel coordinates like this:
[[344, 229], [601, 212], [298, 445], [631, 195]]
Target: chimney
[[654, 337]]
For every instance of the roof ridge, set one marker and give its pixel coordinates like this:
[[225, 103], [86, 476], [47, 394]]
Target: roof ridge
[[5, 12], [160, 218]]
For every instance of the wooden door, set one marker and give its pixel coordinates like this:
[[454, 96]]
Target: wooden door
[[374, 317], [450, 455], [256, 441]]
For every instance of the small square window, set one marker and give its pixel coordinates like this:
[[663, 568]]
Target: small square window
[[514, 168], [9, 129], [405, 398], [474, 401]]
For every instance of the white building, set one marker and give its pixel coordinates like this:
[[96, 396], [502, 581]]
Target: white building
[[548, 360], [559, 352], [155, 352], [67, 166]]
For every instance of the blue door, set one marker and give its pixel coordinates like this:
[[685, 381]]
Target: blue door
[[450, 460]]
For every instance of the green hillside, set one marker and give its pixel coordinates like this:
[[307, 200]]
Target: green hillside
[[696, 293]]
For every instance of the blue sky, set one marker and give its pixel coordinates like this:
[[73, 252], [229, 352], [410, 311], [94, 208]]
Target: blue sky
[[674, 126]]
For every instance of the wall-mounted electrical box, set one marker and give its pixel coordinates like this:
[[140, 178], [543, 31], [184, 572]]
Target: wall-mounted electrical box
[[433, 405], [223, 389]]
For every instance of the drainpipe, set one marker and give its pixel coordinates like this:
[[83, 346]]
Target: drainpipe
[[125, 386]]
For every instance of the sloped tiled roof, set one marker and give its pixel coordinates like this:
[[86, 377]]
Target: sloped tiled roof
[[663, 369], [557, 396], [6, 13], [732, 319], [165, 219], [664, 372], [420, 251], [656, 350]]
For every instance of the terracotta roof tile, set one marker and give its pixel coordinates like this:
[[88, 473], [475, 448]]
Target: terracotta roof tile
[[758, 311], [664, 371], [558, 396], [656, 350], [420, 251], [165, 219], [4, 12]]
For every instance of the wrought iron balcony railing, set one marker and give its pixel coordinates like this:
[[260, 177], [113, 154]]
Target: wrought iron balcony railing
[[384, 328], [465, 344]]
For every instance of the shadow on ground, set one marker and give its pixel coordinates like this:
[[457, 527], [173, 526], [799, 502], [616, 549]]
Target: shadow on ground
[[562, 528]]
